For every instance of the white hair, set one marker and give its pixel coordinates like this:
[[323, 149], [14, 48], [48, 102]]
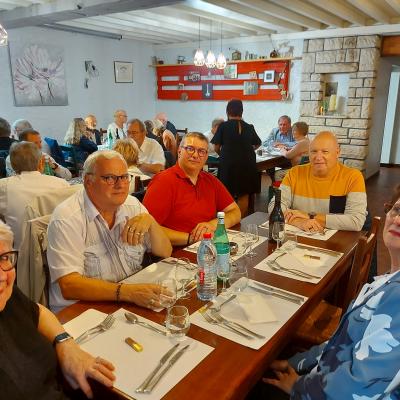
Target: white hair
[[89, 167], [6, 234]]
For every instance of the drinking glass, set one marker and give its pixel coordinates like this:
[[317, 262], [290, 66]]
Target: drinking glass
[[278, 232], [290, 240], [251, 238], [168, 293], [223, 273], [178, 321], [238, 278], [184, 274]]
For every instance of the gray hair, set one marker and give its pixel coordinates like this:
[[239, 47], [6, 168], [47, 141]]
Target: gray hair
[[196, 135], [285, 117], [89, 167], [24, 156], [21, 125], [5, 128], [6, 234], [216, 121]]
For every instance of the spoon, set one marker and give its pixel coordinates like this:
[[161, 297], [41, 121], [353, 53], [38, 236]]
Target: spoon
[[217, 308], [133, 319]]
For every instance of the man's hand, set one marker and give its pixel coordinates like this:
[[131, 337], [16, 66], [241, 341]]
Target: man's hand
[[279, 145], [285, 374], [77, 366], [136, 227], [200, 229], [143, 294]]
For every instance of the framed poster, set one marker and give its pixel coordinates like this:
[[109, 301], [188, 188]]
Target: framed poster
[[123, 71], [269, 76]]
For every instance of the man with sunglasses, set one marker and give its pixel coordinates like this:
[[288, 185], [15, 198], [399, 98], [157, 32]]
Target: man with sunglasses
[[185, 200], [99, 236]]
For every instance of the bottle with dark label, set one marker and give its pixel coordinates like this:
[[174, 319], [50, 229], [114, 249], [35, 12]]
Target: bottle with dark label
[[276, 214]]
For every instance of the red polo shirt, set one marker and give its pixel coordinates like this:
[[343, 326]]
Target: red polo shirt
[[173, 200]]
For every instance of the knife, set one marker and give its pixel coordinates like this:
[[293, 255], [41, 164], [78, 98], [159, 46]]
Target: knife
[[171, 362], [162, 361], [320, 250], [281, 296], [282, 292]]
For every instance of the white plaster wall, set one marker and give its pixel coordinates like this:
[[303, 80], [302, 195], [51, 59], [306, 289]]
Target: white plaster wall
[[103, 95], [197, 115], [378, 115]]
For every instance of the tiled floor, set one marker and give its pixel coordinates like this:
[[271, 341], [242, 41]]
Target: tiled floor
[[379, 191]]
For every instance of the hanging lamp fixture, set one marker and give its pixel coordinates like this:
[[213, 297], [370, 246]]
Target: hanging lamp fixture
[[3, 36], [210, 59], [221, 60], [199, 59]]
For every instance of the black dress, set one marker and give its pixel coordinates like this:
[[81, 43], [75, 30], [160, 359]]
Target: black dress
[[237, 163]]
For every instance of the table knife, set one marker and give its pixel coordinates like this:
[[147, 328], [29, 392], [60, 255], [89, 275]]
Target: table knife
[[162, 361], [281, 296], [320, 250], [171, 362], [282, 292]]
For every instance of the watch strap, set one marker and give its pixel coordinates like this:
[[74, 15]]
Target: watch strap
[[62, 337]]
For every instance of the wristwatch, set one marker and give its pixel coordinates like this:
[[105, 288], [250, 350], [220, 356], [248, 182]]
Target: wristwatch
[[62, 337], [312, 215]]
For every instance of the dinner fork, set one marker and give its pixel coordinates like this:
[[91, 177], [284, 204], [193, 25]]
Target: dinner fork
[[275, 266], [103, 326], [225, 325]]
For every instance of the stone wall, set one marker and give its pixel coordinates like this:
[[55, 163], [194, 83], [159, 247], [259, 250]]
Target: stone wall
[[359, 57]]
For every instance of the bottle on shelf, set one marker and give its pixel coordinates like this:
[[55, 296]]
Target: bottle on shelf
[[276, 214], [221, 242], [207, 274]]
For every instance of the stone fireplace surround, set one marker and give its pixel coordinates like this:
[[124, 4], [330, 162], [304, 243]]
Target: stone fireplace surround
[[357, 56]]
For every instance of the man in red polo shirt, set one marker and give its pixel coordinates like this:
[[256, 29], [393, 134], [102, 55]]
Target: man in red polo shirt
[[185, 200]]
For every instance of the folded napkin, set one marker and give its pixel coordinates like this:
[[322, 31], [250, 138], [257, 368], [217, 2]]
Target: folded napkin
[[302, 259], [256, 308]]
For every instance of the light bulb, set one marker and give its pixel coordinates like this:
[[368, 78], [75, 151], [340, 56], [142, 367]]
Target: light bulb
[[199, 60], [210, 59], [221, 61]]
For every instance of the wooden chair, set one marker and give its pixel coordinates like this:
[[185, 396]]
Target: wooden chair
[[42, 239], [324, 319], [180, 133]]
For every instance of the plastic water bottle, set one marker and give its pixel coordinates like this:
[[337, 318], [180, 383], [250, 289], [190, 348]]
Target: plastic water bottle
[[207, 275]]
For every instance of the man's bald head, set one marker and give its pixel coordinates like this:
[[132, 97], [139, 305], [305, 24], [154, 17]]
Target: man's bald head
[[324, 154]]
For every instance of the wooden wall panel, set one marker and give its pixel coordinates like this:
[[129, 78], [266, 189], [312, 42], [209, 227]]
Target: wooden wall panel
[[390, 46]]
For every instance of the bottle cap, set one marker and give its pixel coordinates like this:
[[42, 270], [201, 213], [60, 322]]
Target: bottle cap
[[220, 214], [207, 235]]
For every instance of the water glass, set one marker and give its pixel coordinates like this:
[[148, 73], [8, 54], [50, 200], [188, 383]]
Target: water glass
[[251, 238], [178, 321], [168, 293], [184, 274], [278, 232], [290, 240], [223, 273], [238, 278]]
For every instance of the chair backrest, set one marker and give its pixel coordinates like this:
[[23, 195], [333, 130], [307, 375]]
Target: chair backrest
[[42, 240], [361, 262], [170, 159], [3, 171], [180, 133]]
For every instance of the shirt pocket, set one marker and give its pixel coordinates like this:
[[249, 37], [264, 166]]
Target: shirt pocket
[[134, 257], [92, 261]]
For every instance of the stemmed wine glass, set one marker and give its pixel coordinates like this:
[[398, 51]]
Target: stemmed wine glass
[[168, 293], [223, 273], [278, 232], [184, 273], [238, 278], [251, 238]]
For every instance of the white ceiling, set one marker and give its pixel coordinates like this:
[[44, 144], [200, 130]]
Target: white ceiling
[[177, 21]]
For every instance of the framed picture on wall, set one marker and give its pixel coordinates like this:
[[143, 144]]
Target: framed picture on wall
[[269, 76], [123, 72]]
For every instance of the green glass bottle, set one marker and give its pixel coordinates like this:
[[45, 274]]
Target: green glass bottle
[[47, 169], [221, 242]]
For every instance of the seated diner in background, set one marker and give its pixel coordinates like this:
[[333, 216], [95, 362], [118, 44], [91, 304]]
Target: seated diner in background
[[91, 128], [5, 132], [185, 200], [212, 154], [20, 125], [117, 129], [324, 193], [151, 154], [164, 137], [34, 344], [282, 135], [99, 236], [130, 151], [360, 361]]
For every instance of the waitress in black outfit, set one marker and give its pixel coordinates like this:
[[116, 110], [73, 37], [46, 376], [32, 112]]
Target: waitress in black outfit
[[235, 141]]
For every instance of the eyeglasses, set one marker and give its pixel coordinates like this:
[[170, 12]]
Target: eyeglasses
[[191, 150], [8, 260], [113, 179], [392, 212]]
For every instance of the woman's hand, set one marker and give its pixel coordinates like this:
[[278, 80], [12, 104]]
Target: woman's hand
[[77, 366], [286, 376]]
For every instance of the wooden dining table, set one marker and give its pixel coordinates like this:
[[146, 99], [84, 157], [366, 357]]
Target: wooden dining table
[[231, 370]]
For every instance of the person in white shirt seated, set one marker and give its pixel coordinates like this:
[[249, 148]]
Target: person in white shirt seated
[[30, 135], [16, 192], [20, 125], [210, 134], [117, 129], [99, 236], [151, 154], [130, 151]]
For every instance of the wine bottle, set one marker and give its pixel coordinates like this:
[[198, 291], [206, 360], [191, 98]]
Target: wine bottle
[[276, 214]]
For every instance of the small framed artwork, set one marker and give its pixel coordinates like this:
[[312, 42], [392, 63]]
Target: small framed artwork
[[250, 87], [123, 72], [207, 90], [253, 75], [269, 76], [230, 71], [194, 76]]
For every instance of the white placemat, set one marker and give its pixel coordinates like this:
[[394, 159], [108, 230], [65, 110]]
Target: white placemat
[[131, 367], [279, 311], [233, 236], [328, 233], [303, 259]]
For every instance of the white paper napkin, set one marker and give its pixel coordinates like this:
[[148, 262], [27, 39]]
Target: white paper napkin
[[256, 308]]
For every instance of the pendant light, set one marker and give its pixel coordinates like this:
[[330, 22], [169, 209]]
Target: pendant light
[[3, 36], [199, 60], [221, 60], [210, 59]]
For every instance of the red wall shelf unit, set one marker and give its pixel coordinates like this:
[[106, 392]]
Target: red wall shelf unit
[[173, 81]]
